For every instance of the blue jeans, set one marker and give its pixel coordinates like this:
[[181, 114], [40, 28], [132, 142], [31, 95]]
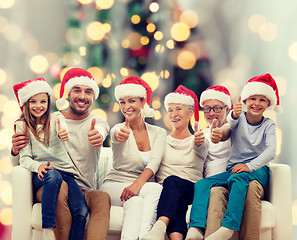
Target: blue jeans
[[237, 184], [51, 184]]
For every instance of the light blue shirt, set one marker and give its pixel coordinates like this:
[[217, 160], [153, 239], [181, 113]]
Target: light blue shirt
[[252, 144]]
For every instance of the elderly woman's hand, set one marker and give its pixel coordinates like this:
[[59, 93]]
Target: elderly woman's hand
[[198, 135]]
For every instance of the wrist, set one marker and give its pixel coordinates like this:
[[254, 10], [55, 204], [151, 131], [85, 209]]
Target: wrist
[[13, 153], [233, 115]]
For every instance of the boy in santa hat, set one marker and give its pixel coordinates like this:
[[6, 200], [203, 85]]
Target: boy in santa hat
[[253, 147], [216, 103], [86, 133]]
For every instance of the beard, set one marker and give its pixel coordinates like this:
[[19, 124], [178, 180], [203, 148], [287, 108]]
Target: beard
[[79, 111]]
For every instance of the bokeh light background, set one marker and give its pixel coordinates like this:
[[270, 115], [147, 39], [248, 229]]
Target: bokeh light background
[[240, 38]]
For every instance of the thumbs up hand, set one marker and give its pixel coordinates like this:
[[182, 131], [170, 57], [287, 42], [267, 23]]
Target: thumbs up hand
[[237, 109], [123, 134], [62, 133], [198, 135], [216, 133], [95, 137]]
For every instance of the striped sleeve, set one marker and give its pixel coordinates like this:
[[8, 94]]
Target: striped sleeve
[[26, 158]]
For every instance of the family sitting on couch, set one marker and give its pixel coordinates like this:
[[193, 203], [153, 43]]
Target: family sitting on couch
[[155, 177]]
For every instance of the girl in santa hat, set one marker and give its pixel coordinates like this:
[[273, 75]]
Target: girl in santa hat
[[253, 146], [181, 167], [138, 148], [46, 156]]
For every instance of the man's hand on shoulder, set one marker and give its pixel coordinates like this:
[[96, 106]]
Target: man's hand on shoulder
[[19, 141]]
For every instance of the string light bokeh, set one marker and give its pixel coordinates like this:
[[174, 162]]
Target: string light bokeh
[[168, 42]]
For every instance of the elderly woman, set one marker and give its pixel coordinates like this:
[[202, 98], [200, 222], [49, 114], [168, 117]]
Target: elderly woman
[[181, 166], [138, 148]]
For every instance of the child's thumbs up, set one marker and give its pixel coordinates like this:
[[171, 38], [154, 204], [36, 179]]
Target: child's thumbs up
[[237, 109], [62, 133], [59, 124]]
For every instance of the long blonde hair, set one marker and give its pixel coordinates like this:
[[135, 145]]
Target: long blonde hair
[[31, 123]]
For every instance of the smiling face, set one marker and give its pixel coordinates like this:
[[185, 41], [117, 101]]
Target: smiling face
[[256, 105], [38, 105], [81, 98], [131, 107], [221, 116], [179, 116]]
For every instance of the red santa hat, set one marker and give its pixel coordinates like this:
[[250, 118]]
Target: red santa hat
[[23, 91], [136, 87], [77, 76], [219, 93], [263, 85], [183, 95]]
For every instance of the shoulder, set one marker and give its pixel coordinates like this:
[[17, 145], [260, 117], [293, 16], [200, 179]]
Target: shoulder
[[268, 124], [98, 118], [55, 115], [19, 125], [268, 121]]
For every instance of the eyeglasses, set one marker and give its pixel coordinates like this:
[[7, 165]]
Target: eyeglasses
[[215, 109]]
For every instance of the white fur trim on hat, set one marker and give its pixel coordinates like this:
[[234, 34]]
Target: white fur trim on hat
[[129, 90], [259, 88], [216, 95], [84, 81], [32, 89], [178, 99]]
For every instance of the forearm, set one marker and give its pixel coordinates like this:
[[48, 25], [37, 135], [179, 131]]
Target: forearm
[[144, 177], [264, 158], [202, 150], [226, 132]]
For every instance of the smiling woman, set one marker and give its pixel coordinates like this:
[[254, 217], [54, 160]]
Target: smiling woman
[[181, 166], [138, 148]]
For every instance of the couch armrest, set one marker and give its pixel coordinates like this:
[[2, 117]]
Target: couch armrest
[[280, 195], [22, 201]]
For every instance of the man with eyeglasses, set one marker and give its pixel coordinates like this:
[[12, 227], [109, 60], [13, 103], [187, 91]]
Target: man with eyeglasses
[[216, 103]]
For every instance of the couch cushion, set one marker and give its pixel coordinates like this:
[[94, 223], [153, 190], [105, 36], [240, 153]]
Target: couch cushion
[[36, 219], [268, 216], [116, 219]]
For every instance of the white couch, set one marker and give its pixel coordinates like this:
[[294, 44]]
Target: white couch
[[276, 222]]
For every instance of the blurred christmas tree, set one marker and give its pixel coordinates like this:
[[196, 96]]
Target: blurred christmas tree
[[155, 40]]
